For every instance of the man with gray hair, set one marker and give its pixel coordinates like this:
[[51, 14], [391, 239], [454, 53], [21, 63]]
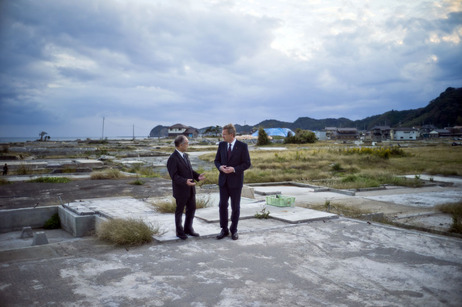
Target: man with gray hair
[[183, 184]]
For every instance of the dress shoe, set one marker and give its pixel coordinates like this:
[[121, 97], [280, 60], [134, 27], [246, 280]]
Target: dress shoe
[[222, 234], [182, 236], [192, 233], [234, 236]]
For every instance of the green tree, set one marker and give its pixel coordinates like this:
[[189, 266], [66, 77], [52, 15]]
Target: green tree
[[300, 137], [263, 138]]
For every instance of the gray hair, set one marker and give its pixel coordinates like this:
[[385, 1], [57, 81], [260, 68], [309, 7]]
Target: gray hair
[[179, 140]]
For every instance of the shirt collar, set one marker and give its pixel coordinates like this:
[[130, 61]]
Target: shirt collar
[[181, 154], [232, 144]]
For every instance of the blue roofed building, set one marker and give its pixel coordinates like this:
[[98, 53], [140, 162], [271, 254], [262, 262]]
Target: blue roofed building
[[275, 132]]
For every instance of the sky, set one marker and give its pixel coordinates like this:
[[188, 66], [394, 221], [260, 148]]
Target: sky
[[68, 66]]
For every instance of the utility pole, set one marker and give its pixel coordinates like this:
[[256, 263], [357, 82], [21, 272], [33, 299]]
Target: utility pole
[[102, 134], [133, 132]]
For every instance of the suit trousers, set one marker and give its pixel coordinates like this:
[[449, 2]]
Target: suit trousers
[[235, 195], [190, 205]]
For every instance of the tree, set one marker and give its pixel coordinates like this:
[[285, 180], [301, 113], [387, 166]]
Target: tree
[[263, 138], [300, 137], [214, 130], [42, 134]]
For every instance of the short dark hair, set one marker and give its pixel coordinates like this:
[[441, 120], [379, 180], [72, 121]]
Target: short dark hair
[[179, 140], [230, 129]]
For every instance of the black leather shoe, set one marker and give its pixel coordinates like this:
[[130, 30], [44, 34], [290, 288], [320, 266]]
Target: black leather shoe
[[182, 236], [192, 233], [222, 234], [234, 236]]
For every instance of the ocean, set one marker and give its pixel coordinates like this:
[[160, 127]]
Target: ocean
[[4, 140]]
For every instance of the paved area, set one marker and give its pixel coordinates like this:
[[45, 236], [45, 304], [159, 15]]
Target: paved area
[[207, 219], [301, 257], [334, 262]]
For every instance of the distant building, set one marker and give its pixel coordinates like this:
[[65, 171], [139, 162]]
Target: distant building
[[334, 133], [425, 131], [398, 134], [179, 129], [380, 133], [438, 133], [346, 134], [275, 132], [320, 135], [330, 132]]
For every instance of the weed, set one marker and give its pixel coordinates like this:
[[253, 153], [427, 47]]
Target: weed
[[51, 180], [203, 202], [455, 209], [4, 181], [23, 169], [137, 182], [165, 206], [53, 222], [263, 214], [107, 174], [336, 167], [126, 232], [341, 209], [145, 172]]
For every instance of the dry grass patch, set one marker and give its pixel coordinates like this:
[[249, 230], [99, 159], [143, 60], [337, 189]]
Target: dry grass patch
[[107, 174], [169, 205], [126, 232]]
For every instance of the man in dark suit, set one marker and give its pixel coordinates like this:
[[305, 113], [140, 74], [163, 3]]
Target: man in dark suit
[[232, 159], [183, 176]]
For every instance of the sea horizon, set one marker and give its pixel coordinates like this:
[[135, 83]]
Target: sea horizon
[[20, 139]]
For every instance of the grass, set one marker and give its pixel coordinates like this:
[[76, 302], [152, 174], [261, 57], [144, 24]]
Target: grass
[[137, 182], [53, 222], [262, 214], [51, 180], [145, 172], [349, 167], [107, 174], [455, 209], [126, 232], [165, 206], [341, 209], [169, 206]]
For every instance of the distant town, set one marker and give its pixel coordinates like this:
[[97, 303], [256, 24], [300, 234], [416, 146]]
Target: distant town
[[376, 134]]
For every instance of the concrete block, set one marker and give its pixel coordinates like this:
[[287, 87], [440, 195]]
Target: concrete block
[[40, 238], [75, 224], [27, 232], [248, 192]]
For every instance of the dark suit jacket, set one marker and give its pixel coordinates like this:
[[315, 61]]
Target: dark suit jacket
[[180, 171], [240, 160]]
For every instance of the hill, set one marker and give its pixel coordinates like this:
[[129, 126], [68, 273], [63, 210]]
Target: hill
[[443, 111]]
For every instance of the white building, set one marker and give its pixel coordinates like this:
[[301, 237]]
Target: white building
[[405, 134]]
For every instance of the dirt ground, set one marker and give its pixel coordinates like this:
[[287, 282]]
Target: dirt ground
[[29, 194]]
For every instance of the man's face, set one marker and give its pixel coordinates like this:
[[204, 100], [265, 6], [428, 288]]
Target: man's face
[[227, 137], [184, 146]]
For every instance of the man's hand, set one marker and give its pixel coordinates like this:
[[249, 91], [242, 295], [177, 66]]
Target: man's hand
[[227, 169], [190, 182], [201, 177]]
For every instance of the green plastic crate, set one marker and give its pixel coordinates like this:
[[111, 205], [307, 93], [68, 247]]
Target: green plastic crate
[[280, 200]]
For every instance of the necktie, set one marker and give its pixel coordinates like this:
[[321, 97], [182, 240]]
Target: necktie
[[229, 151], [185, 156]]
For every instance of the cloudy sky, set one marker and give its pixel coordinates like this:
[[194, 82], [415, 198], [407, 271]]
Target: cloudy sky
[[66, 65]]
